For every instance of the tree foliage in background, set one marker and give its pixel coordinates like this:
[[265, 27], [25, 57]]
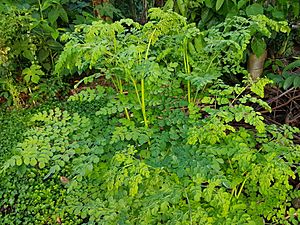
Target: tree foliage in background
[[29, 43]]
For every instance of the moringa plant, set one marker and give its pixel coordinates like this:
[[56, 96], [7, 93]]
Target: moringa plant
[[164, 57]]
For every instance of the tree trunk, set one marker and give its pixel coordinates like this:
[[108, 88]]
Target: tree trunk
[[256, 65], [144, 13], [159, 3], [133, 10]]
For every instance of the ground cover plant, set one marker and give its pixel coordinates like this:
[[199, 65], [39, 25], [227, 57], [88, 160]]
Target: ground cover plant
[[173, 137], [29, 46]]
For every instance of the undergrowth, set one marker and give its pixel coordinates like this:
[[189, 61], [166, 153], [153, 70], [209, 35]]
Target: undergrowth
[[170, 143]]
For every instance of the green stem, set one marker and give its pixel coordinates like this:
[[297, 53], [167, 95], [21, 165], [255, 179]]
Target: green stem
[[122, 93], [187, 69], [241, 188], [210, 63], [149, 43], [136, 90], [41, 11], [143, 102], [244, 89], [189, 205], [189, 91], [115, 83], [197, 92], [189, 82]]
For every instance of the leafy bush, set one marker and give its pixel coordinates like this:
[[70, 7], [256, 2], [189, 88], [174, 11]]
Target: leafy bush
[[152, 61], [29, 44], [208, 12], [289, 77], [195, 168]]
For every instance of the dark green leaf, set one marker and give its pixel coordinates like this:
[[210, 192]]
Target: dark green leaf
[[258, 46], [292, 65], [53, 15], [219, 4], [63, 14], [241, 3], [169, 5], [208, 3], [43, 54], [297, 82], [288, 82], [296, 8], [254, 9]]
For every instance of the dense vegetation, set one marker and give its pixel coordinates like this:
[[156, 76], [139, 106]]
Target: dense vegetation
[[146, 112]]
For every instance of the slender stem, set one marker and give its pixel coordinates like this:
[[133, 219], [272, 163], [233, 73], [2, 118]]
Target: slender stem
[[210, 63], [187, 69], [34, 103], [244, 89], [189, 82], [115, 83], [241, 188], [149, 43], [41, 11], [189, 205], [122, 93], [143, 102], [136, 90], [189, 91], [115, 44], [127, 113], [118, 84]]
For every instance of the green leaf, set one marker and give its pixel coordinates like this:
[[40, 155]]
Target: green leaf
[[296, 8], [259, 85], [35, 78], [182, 7], [46, 5], [43, 54], [219, 4], [54, 34], [27, 78], [47, 28], [41, 165], [241, 3], [164, 207], [278, 14], [288, 82], [53, 15], [254, 9], [28, 54], [169, 5], [292, 65], [199, 43], [297, 82], [143, 138], [208, 3], [33, 161], [238, 117], [258, 46], [63, 14], [33, 73], [12, 162], [26, 160], [18, 160], [207, 100], [198, 196]]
